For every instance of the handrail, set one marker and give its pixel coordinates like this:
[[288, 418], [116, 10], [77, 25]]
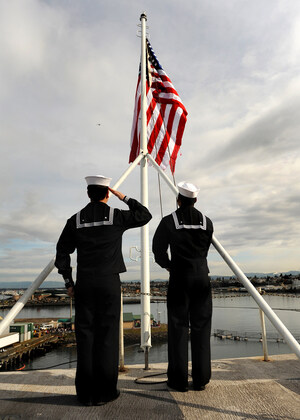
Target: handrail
[[19, 305], [278, 324], [10, 316], [275, 320], [281, 328]]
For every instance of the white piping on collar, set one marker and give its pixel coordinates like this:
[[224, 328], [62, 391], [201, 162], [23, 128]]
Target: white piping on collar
[[183, 226], [92, 224]]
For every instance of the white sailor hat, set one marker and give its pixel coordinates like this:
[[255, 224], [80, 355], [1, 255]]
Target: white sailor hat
[[98, 180], [187, 189]]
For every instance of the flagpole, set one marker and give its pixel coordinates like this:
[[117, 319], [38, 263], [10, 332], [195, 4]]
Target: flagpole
[[145, 268]]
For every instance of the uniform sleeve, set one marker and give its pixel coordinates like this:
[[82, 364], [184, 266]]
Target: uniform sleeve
[[160, 245], [65, 246], [137, 215]]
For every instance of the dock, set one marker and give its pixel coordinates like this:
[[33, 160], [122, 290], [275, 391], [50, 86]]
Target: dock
[[16, 354], [244, 388]]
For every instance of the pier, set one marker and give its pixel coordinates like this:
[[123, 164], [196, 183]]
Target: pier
[[14, 356], [246, 336], [245, 388]]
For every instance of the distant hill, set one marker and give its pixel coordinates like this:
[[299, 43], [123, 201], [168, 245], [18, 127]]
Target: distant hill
[[262, 275], [26, 284], [60, 284], [287, 273], [214, 277]]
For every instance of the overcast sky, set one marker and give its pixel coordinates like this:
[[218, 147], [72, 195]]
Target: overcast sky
[[68, 65]]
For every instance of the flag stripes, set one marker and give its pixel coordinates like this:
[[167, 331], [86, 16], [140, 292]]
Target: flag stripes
[[166, 116]]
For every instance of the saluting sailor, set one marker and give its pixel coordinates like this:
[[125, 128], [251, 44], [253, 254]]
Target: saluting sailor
[[188, 233], [96, 232]]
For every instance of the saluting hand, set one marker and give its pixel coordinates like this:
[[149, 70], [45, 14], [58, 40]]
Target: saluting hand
[[71, 292], [117, 194]]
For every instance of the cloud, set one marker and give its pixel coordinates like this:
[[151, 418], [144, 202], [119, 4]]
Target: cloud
[[33, 221], [67, 66], [270, 135]]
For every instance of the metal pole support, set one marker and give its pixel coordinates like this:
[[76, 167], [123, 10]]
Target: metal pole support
[[146, 359], [121, 342], [23, 300], [278, 324], [263, 332], [264, 336]]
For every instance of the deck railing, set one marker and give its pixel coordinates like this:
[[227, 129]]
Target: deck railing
[[264, 307], [262, 304], [19, 305]]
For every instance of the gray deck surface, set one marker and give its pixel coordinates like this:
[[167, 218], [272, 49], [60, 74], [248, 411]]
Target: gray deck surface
[[245, 388]]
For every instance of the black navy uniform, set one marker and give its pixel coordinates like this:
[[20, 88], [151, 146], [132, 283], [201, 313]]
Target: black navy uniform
[[188, 233], [96, 232]]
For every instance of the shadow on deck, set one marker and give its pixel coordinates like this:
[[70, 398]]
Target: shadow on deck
[[245, 388]]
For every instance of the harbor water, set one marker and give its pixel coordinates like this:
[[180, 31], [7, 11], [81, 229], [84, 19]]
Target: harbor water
[[236, 314]]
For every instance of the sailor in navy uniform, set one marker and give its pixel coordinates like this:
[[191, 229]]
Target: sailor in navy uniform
[[188, 233], [96, 232]]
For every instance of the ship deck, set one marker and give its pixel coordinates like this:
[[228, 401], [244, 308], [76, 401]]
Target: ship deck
[[244, 388]]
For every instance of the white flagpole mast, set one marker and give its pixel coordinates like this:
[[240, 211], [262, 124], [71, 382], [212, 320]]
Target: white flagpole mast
[[145, 269]]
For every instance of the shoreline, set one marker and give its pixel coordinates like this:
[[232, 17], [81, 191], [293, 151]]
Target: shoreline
[[131, 335], [7, 304]]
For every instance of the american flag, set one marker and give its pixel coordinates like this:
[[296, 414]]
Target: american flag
[[166, 115]]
